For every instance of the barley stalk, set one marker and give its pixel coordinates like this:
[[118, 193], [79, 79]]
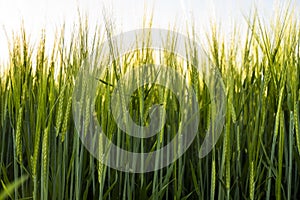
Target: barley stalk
[[277, 119]]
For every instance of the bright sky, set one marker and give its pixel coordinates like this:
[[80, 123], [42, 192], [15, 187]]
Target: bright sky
[[128, 14]]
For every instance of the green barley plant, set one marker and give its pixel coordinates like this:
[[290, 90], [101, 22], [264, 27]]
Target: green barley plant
[[256, 157]]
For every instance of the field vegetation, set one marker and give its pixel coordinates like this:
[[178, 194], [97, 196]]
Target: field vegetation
[[256, 157]]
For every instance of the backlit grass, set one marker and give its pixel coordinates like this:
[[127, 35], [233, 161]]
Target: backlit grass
[[256, 157]]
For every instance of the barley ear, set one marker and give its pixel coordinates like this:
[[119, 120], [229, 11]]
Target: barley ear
[[252, 184], [44, 168], [296, 122], [100, 161], [59, 113], [18, 135], [66, 119]]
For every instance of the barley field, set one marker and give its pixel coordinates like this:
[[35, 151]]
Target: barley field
[[256, 157]]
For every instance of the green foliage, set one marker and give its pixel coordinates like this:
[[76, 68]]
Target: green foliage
[[257, 156]]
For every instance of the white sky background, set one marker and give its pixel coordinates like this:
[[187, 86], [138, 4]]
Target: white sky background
[[128, 15]]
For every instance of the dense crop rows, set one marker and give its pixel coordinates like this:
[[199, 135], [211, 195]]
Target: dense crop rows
[[256, 157]]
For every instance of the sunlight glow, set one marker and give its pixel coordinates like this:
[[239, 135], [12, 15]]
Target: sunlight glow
[[126, 14]]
